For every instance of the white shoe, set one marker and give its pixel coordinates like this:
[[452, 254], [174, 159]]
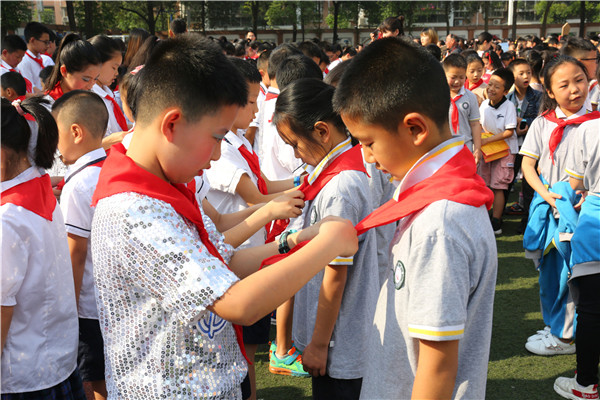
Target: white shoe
[[570, 389], [539, 334], [550, 345]]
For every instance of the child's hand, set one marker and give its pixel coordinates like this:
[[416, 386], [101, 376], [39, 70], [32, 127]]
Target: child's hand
[[551, 197], [314, 359], [583, 194], [477, 156], [340, 233], [288, 205]]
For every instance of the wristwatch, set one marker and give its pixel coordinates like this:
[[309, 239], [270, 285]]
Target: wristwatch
[[283, 242]]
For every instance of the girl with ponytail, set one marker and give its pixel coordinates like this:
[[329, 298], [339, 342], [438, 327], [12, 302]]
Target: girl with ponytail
[[39, 315]]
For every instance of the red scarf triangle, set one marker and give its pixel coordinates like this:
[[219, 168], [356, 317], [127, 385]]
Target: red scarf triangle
[[455, 120], [557, 133], [271, 96], [253, 163], [456, 180], [120, 174], [56, 91], [39, 61], [118, 113], [350, 160], [473, 86], [34, 195]]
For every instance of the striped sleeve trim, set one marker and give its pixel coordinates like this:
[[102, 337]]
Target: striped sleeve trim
[[474, 119], [435, 332], [525, 153], [573, 174], [342, 261]]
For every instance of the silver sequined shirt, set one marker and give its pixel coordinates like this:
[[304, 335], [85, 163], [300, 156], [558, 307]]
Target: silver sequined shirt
[[154, 281]]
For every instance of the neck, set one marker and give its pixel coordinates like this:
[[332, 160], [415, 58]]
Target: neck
[[86, 148], [568, 112], [453, 93], [35, 53], [492, 102], [520, 91], [140, 151], [274, 84], [12, 171]]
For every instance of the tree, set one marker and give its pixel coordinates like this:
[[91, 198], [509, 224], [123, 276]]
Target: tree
[[149, 11], [71, 16], [88, 8], [336, 11], [13, 14], [253, 7], [582, 19], [283, 13], [545, 18]]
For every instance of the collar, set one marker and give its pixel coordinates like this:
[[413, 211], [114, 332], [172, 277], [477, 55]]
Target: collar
[[429, 163], [237, 139], [497, 106], [461, 92], [87, 158], [273, 90], [27, 175], [30, 53], [332, 155], [8, 67], [560, 114], [103, 91]]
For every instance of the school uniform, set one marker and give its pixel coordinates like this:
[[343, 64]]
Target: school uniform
[[440, 282], [224, 176], [155, 279], [47, 60], [464, 109], [478, 89], [259, 102], [4, 68], [277, 158], [334, 64], [75, 199], [498, 174], [116, 118], [37, 280], [593, 95], [30, 67], [345, 195]]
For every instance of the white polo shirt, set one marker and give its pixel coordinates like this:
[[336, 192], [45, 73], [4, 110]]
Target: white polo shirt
[[497, 120], [31, 69], [37, 279], [103, 91]]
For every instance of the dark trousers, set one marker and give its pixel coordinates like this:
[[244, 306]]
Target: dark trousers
[[328, 388], [586, 296]]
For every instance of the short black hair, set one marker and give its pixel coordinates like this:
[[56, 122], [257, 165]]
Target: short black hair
[[434, 50], [297, 67], [277, 56], [454, 60], [263, 59], [15, 81], [575, 46], [389, 79], [107, 47], [45, 74], [507, 76], [178, 26], [35, 30], [247, 69], [190, 73], [516, 62], [84, 108], [310, 49], [471, 56], [334, 76], [12, 43], [390, 24]]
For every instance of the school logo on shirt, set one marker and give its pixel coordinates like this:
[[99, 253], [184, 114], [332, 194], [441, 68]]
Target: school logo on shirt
[[399, 274], [211, 324], [465, 106], [314, 216]]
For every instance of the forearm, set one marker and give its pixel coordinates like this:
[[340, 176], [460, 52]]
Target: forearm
[[253, 297], [436, 370], [224, 222], [78, 253], [6, 317], [113, 138], [497, 137], [330, 300], [532, 177], [476, 134], [576, 184], [279, 186], [248, 227]]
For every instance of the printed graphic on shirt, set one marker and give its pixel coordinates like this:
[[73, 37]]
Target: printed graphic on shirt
[[314, 216], [399, 274], [465, 105], [211, 324]]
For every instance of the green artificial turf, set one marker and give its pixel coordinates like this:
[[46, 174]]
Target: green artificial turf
[[513, 372]]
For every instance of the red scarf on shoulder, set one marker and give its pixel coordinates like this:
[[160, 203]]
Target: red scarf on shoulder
[[120, 174], [34, 195], [56, 92], [456, 180], [557, 133]]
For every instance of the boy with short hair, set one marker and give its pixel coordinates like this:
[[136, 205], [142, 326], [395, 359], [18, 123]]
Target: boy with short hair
[[262, 63], [464, 108], [13, 86], [13, 51], [440, 288], [499, 117], [37, 37], [82, 118], [168, 287]]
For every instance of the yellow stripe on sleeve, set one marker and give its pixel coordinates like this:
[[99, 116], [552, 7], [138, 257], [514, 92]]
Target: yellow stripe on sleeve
[[436, 333], [529, 154]]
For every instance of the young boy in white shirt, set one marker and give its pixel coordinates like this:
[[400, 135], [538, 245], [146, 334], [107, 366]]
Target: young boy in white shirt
[[499, 117], [82, 118], [37, 37]]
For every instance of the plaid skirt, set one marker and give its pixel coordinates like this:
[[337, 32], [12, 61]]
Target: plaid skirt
[[69, 389]]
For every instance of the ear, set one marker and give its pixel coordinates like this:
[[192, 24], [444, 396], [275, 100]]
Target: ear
[[322, 131], [169, 123], [78, 133], [63, 70], [4, 53], [417, 127], [10, 93]]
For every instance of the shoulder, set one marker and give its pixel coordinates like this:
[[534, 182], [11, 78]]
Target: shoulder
[[348, 184]]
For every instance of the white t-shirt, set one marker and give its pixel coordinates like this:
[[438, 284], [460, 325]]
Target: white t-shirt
[[224, 176], [37, 279], [47, 60], [113, 125], [31, 69], [75, 202], [497, 120], [583, 159]]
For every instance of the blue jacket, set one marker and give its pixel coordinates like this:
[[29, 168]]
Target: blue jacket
[[530, 108]]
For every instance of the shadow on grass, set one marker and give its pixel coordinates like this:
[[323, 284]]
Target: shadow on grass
[[523, 388], [281, 392]]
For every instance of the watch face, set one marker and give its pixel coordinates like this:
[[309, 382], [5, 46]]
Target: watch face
[[399, 274]]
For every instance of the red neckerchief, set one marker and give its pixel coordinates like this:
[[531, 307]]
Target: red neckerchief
[[39, 61], [592, 86], [121, 174], [34, 195], [118, 113], [456, 180], [253, 163], [28, 117], [474, 86], [455, 123], [96, 163], [271, 96], [557, 133], [262, 90], [350, 160], [56, 91]]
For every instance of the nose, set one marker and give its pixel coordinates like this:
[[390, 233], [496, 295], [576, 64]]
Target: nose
[[216, 153], [368, 155]]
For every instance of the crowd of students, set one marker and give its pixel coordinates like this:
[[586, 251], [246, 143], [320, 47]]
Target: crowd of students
[[355, 191]]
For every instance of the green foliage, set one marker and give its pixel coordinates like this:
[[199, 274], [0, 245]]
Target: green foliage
[[282, 13], [226, 14], [13, 14], [560, 11], [47, 16]]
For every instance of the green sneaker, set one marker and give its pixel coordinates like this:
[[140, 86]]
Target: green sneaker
[[290, 365]]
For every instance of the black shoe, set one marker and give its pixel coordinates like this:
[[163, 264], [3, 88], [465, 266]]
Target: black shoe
[[497, 226]]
